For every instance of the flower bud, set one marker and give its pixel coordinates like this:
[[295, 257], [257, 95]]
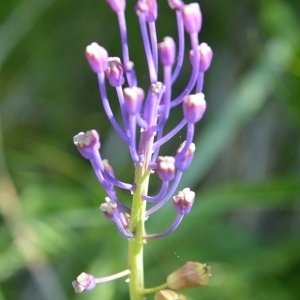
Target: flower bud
[[169, 295], [114, 71], [108, 168], [149, 7], [133, 99], [184, 162], [87, 143], [192, 274], [205, 57], [110, 209], [167, 51], [192, 17], [84, 282], [166, 168], [175, 4], [194, 107], [97, 57], [117, 5], [183, 201]]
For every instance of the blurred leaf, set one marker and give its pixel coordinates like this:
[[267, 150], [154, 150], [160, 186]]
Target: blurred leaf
[[20, 22]]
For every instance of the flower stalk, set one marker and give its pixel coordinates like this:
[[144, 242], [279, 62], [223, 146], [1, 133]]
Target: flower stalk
[[137, 221]]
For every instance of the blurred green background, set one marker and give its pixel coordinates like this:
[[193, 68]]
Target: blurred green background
[[245, 221]]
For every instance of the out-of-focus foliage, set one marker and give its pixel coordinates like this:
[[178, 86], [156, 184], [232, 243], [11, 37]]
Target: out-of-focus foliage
[[245, 221]]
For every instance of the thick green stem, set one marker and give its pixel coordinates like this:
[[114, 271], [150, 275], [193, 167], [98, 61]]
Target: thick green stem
[[137, 219]]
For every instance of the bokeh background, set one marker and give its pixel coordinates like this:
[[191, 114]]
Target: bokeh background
[[245, 221]]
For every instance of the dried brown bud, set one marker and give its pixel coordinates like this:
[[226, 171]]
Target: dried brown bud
[[169, 295], [192, 274]]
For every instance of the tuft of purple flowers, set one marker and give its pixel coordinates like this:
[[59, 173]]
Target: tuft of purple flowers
[[149, 114], [145, 112]]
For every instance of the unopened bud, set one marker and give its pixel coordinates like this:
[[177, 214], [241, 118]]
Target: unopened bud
[[169, 295], [117, 5], [114, 71], [87, 143], [184, 161], [149, 8], [192, 274], [175, 4], [110, 209], [194, 107], [183, 201], [192, 17], [133, 98], [166, 168], [97, 57], [167, 51], [205, 56], [108, 168], [84, 282]]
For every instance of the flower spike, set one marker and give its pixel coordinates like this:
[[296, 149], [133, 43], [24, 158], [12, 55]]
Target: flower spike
[[141, 126]]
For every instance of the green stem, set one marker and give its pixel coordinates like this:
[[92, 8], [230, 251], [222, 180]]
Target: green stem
[[155, 289], [137, 219]]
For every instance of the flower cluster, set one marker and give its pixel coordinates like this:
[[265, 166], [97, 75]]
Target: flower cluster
[[145, 113]]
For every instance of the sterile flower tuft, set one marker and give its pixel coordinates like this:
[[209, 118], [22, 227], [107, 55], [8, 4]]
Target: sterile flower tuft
[[141, 126]]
